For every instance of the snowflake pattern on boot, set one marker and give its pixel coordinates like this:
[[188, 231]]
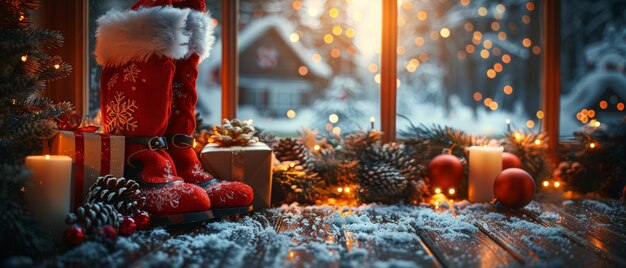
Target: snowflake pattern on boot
[[131, 73], [168, 171], [120, 114], [198, 172], [167, 196]]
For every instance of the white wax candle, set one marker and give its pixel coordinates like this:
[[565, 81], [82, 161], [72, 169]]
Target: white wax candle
[[485, 163], [48, 194]]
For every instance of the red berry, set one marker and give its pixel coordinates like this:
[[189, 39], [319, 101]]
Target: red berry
[[127, 226], [74, 235], [109, 232], [142, 220]]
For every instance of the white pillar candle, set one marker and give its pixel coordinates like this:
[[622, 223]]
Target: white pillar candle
[[485, 163], [48, 193]]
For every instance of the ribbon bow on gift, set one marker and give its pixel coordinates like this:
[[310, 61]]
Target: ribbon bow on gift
[[234, 133]]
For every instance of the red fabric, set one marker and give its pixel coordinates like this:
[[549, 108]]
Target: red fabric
[[227, 194], [136, 100]]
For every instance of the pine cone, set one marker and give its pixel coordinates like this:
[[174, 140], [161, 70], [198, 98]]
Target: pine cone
[[355, 143], [124, 195], [290, 149], [91, 216], [395, 155], [381, 181]]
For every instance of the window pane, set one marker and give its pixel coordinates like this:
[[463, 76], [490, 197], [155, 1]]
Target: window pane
[[305, 64], [469, 64], [593, 54], [208, 87]]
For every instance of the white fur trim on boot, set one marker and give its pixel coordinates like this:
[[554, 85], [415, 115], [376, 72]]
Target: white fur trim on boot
[[136, 35]]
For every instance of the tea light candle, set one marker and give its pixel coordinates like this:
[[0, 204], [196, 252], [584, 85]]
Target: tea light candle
[[48, 194], [485, 163]]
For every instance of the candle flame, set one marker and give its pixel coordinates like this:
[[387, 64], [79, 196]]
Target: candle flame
[[508, 121], [372, 119], [47, 157]]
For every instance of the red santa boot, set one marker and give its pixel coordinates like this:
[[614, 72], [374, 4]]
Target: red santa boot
[[226, 197], [137, 49]]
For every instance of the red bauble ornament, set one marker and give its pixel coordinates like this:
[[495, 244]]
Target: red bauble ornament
[[514, 188], [142, 220], [445, 171], [510, 160], [109, 232], [74, 235], [127, 226]]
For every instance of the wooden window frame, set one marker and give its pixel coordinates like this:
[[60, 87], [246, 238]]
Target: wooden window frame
[[76, 88]]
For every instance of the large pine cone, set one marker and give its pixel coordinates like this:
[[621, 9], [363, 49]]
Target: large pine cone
[[91, 216], [290, 149], [124, 195], [381, 181]]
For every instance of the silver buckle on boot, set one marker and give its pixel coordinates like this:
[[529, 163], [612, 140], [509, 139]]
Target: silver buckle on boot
[[157, 143]]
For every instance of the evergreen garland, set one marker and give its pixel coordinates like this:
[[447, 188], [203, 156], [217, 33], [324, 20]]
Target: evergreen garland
[[26, 118]]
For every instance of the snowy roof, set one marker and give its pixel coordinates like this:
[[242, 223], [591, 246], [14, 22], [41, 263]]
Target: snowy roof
[[258, 29]]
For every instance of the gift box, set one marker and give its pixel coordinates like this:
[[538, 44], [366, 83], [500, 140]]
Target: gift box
[[251, 164], [93, 155]]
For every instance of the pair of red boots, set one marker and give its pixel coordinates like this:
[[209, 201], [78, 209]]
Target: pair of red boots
[[150, 56]]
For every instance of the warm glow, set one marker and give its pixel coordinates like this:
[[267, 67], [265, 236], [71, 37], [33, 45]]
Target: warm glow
[[540, 114], [620, 106], [337, 30], [373, 67], [333, 118], [491, 73], [377, 78], [596, 124], [328, 38], [536, 50], [502, 36], [487, 44], [484, 53], [592, 145], [508, 90], [506, 58], [350, 32], [296, 5], [291, 114], [333, 12], [530, 6], [477, 35], [294, 37], [498, 67], [303, 70], [526, 42], [507, 121], [437, 190], [337, 131], [339, 190], [530, 124], [422, 15], [316, 147], [477, 96], [495, 26], [444, 32], [469, 48], [487, 101], [451, 191], [518, 136], [493, 106], [346, 189], [557, 184], [57, 66], [482, 11], [603, 104], [546, 183], [24, 58], [419, 41], [335, 53], [538, 142], [316, 57], [47, 157], [195, 143], [468, 26]]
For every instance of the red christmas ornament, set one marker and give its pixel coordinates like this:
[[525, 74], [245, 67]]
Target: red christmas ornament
[[109, 232], [445, 171], [510, 160], [514, 188], [142, 220], [74, 235], [127, 226]]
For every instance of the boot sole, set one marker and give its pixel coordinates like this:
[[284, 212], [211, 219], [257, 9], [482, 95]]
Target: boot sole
[[182, 218], [220, 212]]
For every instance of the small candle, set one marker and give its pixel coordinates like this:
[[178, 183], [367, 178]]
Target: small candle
[[508, 125], [485, 163], [48, 194], [372, 120]]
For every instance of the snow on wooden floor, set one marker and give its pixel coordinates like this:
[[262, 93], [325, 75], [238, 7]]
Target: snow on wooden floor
[[572, 233]]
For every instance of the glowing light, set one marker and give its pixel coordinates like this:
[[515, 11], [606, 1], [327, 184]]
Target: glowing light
[[592, 145], [313, 11], [335, 53], [57, 66], [337, 131], [422, 15], [400, 50], [316, 147], [292, 164], [487, 101], [372, 119], [502, 36], [333, 12], [373, 67], [497, 67], [377, 78], [477, 35], [328, 38], [47, 157], [451, 191], [526, 19], [434, 35], [526, 42], [620, 106], [536, 50], [482, 11], [358, 16], [530, 124], [493, 106], [603, 104], [540, 114], [24, 58], [22, 17], [444, 32], [500, 8], [398, 83], [508, 90], [294, 37], [296, 5], [477, 96], [437, 190], [337, 30], [303, 70], [469, 48], [546, 183], [495, 26], [530, 6], [419, 41], [468, 26], [507, 121], [596, 124], [195, 143], [333, 118], [557, 184], [465, 2], [484, 53], [339, 190], [291, 114], [491, 73], [346, 189], [350, 32], [537, 142], [487, 44], [518, 136], [316, 57], [506, 58]]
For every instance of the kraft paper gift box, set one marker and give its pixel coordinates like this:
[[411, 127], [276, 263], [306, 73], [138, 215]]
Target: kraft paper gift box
[[93, 155], [250, 164]]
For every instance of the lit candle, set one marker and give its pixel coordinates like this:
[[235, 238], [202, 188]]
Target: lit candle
[[48, 194], [485, 163], [372, 120], [508, 125]]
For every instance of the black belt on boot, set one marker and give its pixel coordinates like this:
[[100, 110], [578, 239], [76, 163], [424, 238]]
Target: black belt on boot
[[181, 141], [153, 143]]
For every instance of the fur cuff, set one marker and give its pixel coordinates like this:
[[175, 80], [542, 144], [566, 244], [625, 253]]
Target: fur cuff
[[136, 35]]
